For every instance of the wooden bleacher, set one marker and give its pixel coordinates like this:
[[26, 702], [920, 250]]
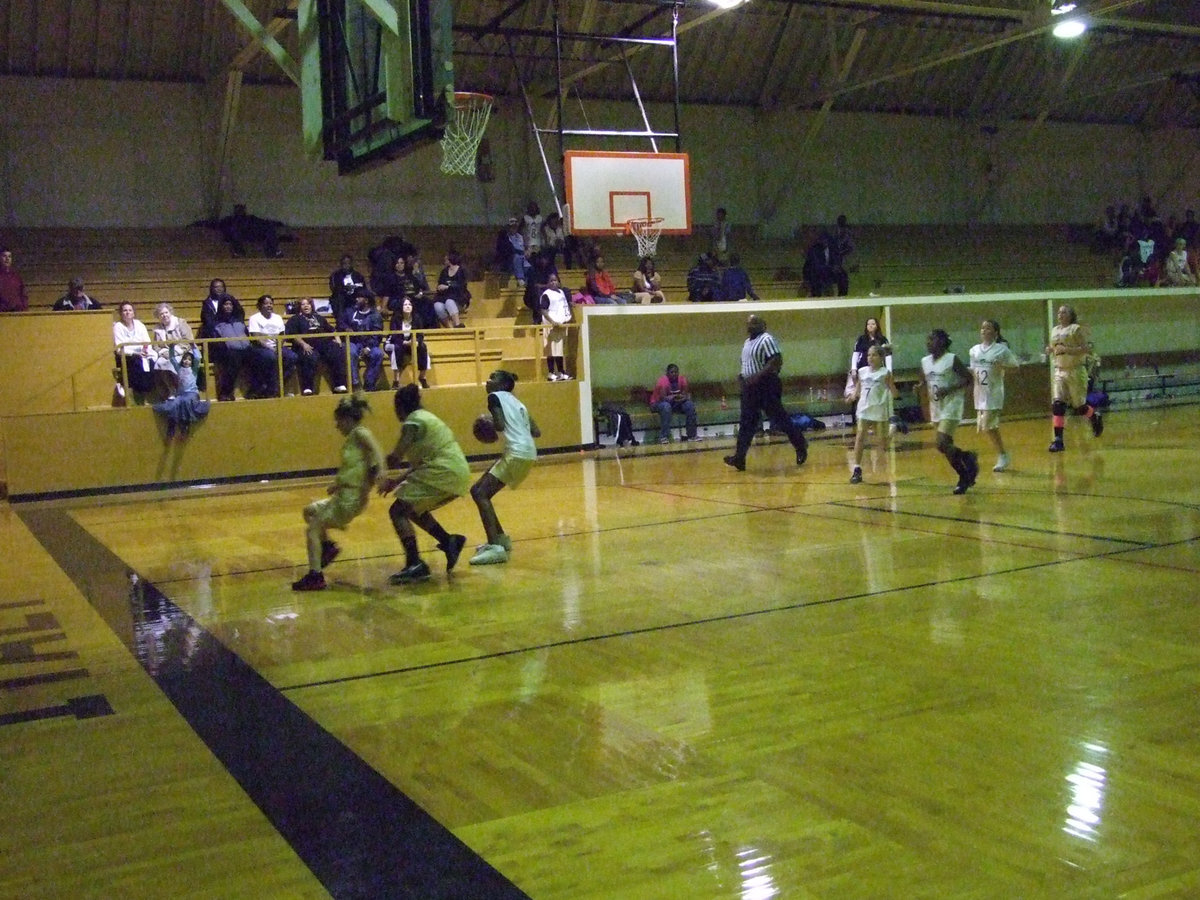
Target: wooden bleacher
[[148, 265]]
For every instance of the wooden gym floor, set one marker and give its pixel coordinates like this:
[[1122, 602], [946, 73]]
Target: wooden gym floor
[[689, 682]]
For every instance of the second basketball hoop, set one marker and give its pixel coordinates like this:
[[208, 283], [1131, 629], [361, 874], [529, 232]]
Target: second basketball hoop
[[645, 232], [465, 124]]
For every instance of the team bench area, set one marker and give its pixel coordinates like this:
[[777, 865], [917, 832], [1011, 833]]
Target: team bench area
[[718, 405]]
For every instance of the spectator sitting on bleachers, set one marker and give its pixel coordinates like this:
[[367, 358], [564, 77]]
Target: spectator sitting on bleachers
[[382, 258], [416, 289], [343, 282], [211, 306], [841, 245], [735, 281], [647, 283], [210, 314], [720, 243], [1131, 268], [670, 396], [703, 280], [364, 349], [531, 228], [1188, 229], [1179, 270], [229, 356], [600, 285], [824, 268], [13, 297], [452, 296], [75, 297], [314, 342], [409, 283], [1108, 232], [510, 251], [172, 336], [139, 362], [264, 327], [403, 340], [556, 240]]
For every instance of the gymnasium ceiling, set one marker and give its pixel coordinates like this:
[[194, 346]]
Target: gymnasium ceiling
[[988, 60]]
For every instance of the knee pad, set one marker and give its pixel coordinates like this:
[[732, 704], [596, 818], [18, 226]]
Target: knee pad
[[1059, 408]]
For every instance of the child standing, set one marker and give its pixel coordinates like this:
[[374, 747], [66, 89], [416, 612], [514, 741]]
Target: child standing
[[946, 380], [1068, 351], [875, 391], [362, 464], [513, 421], [989, 358], [556, 312]]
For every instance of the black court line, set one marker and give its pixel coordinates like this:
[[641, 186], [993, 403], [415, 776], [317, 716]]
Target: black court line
[[707, 620], [359, 834], [1107, 539]]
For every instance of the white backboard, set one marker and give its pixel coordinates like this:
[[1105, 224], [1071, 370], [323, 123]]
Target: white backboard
[[606, 190]]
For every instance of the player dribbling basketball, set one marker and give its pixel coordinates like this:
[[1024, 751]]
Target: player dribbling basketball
[[512, 420]]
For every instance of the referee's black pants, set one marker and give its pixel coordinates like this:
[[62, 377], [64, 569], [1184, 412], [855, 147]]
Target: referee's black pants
[[765, 398]]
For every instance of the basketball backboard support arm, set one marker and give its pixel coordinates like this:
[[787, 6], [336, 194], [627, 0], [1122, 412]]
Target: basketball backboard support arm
[[495, 27], [536, 131]]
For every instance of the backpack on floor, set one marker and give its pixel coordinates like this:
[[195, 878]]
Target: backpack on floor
[[619, 423]]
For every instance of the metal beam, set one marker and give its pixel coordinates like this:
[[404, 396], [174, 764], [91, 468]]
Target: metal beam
[[546, 90], [1009, 37], [251, 51], [259, 32]]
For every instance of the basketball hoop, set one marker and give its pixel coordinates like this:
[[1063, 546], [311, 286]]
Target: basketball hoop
[[464, 130], [645, 232]]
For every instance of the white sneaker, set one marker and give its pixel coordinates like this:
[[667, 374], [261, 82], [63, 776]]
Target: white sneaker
[[1001, 463], [554, 376], [340, 389], [307, 392], [489, 555], [563, 376], [120, 390]]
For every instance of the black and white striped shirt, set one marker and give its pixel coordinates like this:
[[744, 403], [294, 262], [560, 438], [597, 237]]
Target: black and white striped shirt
[[756, 351]]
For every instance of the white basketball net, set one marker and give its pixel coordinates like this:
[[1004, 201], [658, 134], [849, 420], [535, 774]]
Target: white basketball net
[[645, 232], [464, 130]]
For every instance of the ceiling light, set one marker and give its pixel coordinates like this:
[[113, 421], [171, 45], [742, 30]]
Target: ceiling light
[[1070, 28], [727, 4]]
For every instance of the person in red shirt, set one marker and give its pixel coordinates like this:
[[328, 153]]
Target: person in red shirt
[[670, 396], [600, 285], [12, 289]]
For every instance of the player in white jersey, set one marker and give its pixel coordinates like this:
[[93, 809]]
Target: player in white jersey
[[1068, 386], [945, 379], [513, 421], [989, 358], [874, 390]]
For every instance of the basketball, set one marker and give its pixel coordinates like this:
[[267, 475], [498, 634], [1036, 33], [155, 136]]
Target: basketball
[[485, 429]]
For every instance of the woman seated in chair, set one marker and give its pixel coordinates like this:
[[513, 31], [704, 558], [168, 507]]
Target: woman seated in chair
[[402, 340]]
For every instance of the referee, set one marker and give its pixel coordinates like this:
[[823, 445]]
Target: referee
[[762, 393]]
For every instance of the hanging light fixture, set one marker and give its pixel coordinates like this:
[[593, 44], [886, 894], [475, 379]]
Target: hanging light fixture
[[1070, 25]]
